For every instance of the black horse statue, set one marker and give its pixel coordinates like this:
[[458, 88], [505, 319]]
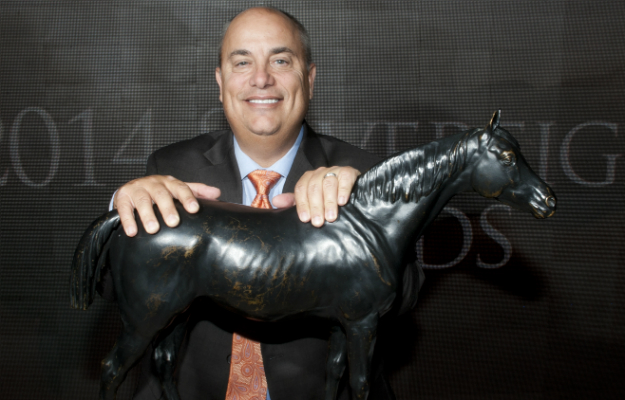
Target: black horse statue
[[266, 265]]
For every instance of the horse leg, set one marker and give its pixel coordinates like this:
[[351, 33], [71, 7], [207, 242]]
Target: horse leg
[[337, 358], [129, 347], [164, 356], [361, 337]]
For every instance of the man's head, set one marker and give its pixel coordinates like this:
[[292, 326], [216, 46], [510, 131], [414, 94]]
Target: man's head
[[303, 35], [265, 78]]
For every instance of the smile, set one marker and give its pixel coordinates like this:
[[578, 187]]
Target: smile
[[264, 101]]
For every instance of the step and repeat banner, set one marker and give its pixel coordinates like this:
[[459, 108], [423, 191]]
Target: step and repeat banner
[[512, 307]]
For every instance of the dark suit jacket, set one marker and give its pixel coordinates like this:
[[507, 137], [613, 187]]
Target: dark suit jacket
[[294, 352]]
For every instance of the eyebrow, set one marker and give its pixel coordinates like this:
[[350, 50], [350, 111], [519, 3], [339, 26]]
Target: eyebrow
[[283, 49], [240, 52], [275, 50]]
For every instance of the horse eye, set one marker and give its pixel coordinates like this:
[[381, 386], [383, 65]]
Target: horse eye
[[508, 160]]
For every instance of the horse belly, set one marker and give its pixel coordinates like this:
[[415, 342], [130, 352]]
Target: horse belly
[[283, 281], [267, 286]]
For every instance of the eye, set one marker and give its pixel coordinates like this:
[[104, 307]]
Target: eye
[[508, 159], [241, 63]]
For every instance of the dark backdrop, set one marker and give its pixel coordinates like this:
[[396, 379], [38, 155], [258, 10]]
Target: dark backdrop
[[513, 307]]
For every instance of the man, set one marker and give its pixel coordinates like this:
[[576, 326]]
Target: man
[[266, 79]]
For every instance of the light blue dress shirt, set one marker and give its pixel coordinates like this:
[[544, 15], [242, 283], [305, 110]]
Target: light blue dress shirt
[[282, 166]]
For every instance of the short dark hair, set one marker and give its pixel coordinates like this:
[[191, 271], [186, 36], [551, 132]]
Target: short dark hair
[[303, 34]]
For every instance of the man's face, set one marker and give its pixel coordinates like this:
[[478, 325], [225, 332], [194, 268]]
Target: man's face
[[264, 83]]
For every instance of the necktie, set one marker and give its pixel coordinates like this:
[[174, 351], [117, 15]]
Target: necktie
[[247, 379], [263, 181]]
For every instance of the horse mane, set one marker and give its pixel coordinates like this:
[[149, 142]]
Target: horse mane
[[412, 174]]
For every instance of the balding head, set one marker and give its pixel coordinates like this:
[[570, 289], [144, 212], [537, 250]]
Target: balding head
[[300, 29]]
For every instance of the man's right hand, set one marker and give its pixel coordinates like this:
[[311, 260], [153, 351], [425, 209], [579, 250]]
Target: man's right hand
[[141, 193]]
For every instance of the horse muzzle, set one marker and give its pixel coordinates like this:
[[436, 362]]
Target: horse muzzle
[[540, 201], [543, 205]]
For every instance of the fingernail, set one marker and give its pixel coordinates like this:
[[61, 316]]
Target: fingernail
[[173, 219], [342, 200], [131, 231], [330, 215], [304, 217], [317, 221], [194, 206], [152, 226]]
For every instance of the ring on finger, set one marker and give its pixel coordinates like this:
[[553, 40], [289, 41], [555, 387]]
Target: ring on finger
[[329, 174]]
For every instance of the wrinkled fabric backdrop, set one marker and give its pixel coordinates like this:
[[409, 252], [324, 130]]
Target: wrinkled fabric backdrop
[[512, 308]]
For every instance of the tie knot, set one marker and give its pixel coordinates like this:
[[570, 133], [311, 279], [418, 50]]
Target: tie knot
[[263, 181]]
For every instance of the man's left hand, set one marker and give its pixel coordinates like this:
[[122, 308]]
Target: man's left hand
[[319, 193]]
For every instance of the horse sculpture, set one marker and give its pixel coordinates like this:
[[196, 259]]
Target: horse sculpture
[[266, 265]]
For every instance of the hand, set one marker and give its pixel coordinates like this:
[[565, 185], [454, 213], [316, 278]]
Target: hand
[[141, 193], [317, 196]]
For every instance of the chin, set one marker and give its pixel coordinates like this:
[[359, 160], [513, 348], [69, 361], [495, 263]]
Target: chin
[[264, 129]]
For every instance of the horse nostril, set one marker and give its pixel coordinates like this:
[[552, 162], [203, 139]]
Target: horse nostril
[[551, 201]]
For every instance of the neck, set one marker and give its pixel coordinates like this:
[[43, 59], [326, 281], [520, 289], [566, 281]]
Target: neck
[[403, 194], [266, 150]]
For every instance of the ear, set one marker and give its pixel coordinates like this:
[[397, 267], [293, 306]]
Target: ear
[[219, 83], [312, 73], [494, 121]]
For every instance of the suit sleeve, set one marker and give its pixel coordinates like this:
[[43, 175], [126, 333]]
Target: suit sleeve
[[150, 167]]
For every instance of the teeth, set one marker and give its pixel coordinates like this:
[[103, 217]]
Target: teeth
[[266, 101]]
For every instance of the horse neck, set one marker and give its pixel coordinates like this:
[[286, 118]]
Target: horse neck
[[404, 193]]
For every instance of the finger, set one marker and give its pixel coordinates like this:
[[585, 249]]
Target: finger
[[301, 197], [163, 197], [143, 204], [284, 200], [346, 180], [315, 197], [202, 191], [177, 190], [126, 214], [330, 192], [183, 193]]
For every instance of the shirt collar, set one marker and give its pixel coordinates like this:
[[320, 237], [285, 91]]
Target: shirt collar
[[282, 166]]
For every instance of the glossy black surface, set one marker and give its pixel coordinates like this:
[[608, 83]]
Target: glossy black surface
[[266, 265]]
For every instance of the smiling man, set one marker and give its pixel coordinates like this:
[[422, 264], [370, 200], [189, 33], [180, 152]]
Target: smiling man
[[266, 80], [265, 83]]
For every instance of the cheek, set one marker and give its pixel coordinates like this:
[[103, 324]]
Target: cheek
[[233, 85], [294, 82]]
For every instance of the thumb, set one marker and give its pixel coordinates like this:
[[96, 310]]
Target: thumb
[[202, 191], [284, 200]]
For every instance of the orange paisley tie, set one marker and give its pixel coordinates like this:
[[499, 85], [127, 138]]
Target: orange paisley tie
[[247, 379]]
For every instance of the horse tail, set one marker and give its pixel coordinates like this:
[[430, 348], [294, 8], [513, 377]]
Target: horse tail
[[85, 266]]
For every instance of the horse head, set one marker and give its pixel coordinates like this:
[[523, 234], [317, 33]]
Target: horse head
[[502, 173]]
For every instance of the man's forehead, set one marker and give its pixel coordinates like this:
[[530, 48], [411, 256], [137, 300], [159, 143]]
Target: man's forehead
[[248, 42]]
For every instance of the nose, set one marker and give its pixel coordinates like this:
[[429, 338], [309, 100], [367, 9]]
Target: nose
[[261, 77]]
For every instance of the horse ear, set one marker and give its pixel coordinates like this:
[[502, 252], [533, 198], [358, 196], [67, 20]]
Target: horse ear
[[494, 121]]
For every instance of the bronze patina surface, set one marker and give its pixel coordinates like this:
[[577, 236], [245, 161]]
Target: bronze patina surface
[[266, 265]]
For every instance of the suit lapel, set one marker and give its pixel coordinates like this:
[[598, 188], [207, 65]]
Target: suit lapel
[[310, 155], [223, 171]]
